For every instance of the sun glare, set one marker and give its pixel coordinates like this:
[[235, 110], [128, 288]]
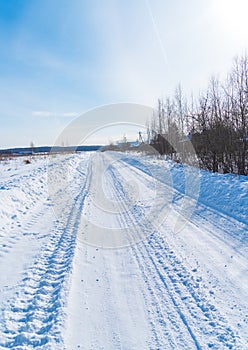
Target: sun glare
[[232, 17]]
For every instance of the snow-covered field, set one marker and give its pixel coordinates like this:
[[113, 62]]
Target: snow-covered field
[[105, 251]]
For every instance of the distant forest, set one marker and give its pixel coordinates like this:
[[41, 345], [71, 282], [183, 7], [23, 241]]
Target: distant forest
[[215, 124]]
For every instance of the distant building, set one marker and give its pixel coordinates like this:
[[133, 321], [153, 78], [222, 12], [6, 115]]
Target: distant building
[[128, 144]]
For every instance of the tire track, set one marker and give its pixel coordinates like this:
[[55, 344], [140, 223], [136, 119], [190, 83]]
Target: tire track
[[164, 319], [178, 281], [35, 317]]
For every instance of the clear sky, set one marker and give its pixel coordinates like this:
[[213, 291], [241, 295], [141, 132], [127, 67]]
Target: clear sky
[[60, 58]]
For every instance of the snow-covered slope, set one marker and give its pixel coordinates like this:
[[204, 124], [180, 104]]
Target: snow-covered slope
[[90, 257]]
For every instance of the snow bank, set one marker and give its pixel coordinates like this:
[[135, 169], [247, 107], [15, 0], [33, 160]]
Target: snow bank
[[225, 193]]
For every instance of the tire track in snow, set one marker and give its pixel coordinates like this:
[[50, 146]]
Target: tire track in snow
[[189, 287], [35, 317], [176, 279], [202, 294], [163, 320]]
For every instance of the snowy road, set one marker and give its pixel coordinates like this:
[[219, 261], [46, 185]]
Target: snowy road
[[96, 263]]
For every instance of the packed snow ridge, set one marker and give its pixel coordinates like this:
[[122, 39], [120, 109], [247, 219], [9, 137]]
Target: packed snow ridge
[[121, 251]]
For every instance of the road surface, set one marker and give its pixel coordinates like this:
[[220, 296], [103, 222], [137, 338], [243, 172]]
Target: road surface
[[96, 262]]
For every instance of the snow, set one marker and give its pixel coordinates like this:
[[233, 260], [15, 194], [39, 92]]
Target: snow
[[121, 251]]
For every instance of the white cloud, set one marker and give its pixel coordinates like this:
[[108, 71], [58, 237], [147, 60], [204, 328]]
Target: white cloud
[[49, 114]]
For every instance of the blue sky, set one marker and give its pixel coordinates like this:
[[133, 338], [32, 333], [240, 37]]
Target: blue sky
[[60, 58]]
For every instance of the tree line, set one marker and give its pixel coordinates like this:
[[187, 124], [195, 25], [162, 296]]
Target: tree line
[[215, 124]]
